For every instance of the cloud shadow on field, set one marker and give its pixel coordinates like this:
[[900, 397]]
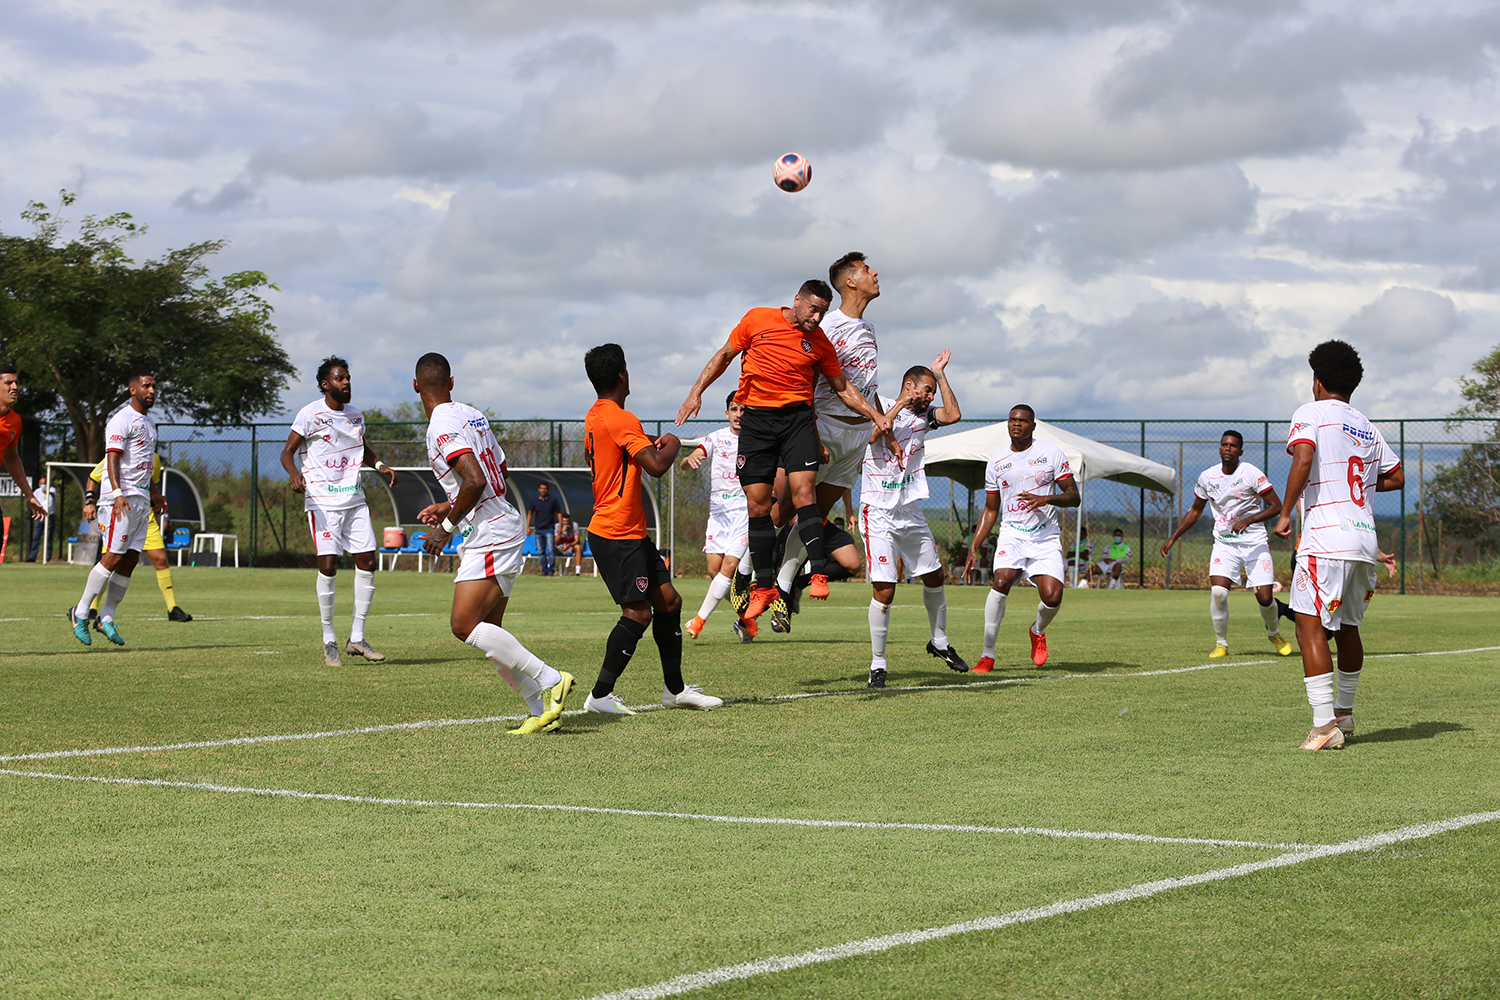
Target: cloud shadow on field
[[1415, 731]]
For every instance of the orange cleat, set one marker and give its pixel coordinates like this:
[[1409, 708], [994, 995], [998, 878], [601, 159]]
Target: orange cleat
[[818, 588], [1038, 648], [752, 627], [761, 598], [695, 626], [985, 665]]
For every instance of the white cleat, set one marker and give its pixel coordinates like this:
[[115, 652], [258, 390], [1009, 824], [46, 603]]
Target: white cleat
[[690, 697], [610, 704]]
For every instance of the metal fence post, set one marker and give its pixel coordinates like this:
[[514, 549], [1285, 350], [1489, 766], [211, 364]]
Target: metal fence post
[[1403, 509], [254, 487], [1141, 559]]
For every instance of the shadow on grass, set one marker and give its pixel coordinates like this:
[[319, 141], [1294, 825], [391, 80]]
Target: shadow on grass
[[1415, 731], [125, 650]]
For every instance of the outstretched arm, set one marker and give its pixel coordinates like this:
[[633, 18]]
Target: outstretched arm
[[657, 459], [717, 365], [17, 472], [1188, 520], [858, 403], [948, 413]]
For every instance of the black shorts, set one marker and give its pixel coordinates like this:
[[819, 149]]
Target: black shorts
[[777, 439], [835, 538], [631, 567]]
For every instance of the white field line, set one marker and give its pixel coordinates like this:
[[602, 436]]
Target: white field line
[[797, 696], [867, 946], [287, 793]]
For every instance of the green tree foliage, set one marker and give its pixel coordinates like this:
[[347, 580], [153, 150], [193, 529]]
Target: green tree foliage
[[78, 315], [1466, 494]]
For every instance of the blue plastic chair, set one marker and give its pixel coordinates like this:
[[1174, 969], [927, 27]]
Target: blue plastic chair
[[182, 539]]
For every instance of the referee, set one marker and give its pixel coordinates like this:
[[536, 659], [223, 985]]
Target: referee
[[783, 352]]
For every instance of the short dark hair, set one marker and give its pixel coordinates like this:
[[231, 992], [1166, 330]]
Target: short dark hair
[[432, 367], [604, 365], [329, 364], [818, 287], [136, 374], [917, 371], [1336, 364], [6, 368], [729, 400], [839, 269], [1118, 531], [1021, 406], [1233, 434]]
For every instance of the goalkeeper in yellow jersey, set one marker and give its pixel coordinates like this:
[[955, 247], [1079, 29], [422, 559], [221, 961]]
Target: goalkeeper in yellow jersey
[[155, 546]]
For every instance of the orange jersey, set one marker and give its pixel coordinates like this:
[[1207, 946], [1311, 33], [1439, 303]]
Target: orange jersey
[[612, 436], [10, 430], [779, 363]]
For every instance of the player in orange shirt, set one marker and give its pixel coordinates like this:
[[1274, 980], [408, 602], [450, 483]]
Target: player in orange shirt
[[617, 449], [782, 353], [10, 437]]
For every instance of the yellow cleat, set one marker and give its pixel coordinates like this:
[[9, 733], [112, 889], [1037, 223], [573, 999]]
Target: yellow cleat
[[533, 724], [1282, 646], [554, 700], [1219, 650]]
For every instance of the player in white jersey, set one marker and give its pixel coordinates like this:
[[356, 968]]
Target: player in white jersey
[[1029, 480], [470, 464], [891, 519], [1338, 459], [324, 453], [1243, 500], [129, 451], [728, 533]]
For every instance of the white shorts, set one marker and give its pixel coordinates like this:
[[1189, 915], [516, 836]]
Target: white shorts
[[1336, 590], [1034, 557], [892, 532], [846, 445], [500, 563], [337, 531], [728, 533], [128, 532], [1253, 559]]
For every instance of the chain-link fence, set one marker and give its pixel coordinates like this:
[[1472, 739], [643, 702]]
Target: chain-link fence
[[1444, 527]]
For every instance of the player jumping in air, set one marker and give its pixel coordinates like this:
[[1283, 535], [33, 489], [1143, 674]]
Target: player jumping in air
[[1243, 499], [727, 536], [1029, 480], [1338, 459]]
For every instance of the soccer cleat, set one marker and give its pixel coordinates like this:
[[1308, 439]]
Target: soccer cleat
[[1038, 647], [362, 648], [781, 619], [761, 598], [111, 633], [744, 631], [794, 599], [949, 656], [877, 679], [178, 615], [610, 704], [985, 665], [695, 626], [555, 698], [80, 628], [1282, 646], [533, 724], [817, 588], [739, 597], [690, 697], [1329, 737], [1219, 650], [1345, 721], [331, 655]]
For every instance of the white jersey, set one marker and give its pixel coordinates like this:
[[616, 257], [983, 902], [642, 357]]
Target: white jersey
[[1035, 470], [1232, 497], [725, 495], [885, 482], [333, 449], [853, 341], [1348, 455], [133, 435], [458, 429]]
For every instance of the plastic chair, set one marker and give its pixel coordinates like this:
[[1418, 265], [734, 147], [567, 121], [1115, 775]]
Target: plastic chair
[[182, 540]]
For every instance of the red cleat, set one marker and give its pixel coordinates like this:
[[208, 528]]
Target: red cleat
[[985, 665], [695, 626], [818, 588], [752, 627], [761, 598], [1038, 648]]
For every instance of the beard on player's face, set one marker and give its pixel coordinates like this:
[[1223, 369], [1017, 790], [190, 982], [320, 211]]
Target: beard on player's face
[[342, 395]]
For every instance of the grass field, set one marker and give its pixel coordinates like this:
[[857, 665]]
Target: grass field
[[1116, 824]]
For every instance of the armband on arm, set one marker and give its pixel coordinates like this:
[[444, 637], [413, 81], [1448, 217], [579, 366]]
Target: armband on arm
[[91, 496]]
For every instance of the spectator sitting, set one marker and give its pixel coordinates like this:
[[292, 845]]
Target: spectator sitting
[[1116, 555], [569, 542]]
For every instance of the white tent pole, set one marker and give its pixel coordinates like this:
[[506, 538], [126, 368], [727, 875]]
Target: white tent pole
[[1078, 530]]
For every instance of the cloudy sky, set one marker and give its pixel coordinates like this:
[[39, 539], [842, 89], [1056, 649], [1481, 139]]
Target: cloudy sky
[[1109, 208]]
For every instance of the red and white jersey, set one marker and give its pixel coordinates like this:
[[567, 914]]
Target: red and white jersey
[[333, 449], [1349, 454], [854, 342], [1234, 496], [133, 435], [1035, 470], [884, 482], [458, 429], [725, 495]]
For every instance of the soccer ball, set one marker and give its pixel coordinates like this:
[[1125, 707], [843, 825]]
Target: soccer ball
[[792, 172]]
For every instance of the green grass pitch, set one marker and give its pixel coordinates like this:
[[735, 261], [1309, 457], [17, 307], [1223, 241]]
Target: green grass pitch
[[409, 862]]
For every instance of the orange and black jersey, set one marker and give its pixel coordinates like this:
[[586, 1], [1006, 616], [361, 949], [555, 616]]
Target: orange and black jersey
[[779, 363], [612, 437]]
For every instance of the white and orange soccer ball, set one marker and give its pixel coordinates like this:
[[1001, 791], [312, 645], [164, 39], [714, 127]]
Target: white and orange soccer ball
[[792, 172]]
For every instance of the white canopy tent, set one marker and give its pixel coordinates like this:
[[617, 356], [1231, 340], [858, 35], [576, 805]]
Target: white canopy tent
[[963, 457]]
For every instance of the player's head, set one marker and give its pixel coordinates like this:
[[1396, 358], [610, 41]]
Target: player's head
[[1119, 535], [921, 383], [1336, 364], [1021, 423], [852, 271], [1231, 446], [734, 411], [10, 383], [143, 388], [811, 304], [605, 367], [333, 378], [543, 490], [433, 380]]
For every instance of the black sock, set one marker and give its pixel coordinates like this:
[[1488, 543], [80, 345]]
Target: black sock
[[666, 629], [836, 571], [763, 550], [618, 650], [810, 529], [1284, 610]]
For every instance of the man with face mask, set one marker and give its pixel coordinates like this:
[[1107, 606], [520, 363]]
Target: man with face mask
[[1112, 566]]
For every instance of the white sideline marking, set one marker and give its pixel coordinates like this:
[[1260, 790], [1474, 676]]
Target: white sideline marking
[[782, 963], [288, 793], [651, 707]]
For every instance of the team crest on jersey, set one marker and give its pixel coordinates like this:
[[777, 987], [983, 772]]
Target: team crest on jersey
[[1004, 484], [806, 346], [640, 583], [739, 463], [884, 559]]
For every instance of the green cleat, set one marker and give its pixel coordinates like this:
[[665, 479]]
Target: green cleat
[[80, 627], [111, 633]]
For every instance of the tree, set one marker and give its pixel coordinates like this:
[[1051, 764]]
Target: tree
[[77, 316], [1466, 493]]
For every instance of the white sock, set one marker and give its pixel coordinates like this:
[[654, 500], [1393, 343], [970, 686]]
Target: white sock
[[1320, 697], [880, 621], [92, 588], [364, 593], [1348, 683], [936, 601], [796, 552], [327, 585], [994, 614], [112, 596], [1269, 616], [1218, 612], [524, 686], [1044, 616], [717, 591], [506, 650]]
